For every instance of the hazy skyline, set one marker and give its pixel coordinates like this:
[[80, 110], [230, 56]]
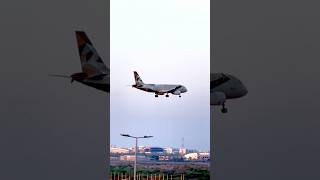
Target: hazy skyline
[[166, 42]]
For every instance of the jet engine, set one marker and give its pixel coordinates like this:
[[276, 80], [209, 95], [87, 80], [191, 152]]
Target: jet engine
[[176, 92], [217, 98]]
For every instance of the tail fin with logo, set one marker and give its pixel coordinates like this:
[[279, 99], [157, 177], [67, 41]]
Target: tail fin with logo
[[91, 63], [137, 78]]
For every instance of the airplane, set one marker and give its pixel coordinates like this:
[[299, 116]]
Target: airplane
[[158, 89], [224, 87], [94, 72]]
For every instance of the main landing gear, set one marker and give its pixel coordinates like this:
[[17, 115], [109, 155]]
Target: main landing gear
[[224, 109], [167, 95]]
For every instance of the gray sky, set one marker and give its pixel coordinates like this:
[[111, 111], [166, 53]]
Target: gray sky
[[50, 129], [166, 42], [273, 47]]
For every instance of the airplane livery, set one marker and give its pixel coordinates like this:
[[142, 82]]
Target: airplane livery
[[94, 72], [223, 87], [158, 89]]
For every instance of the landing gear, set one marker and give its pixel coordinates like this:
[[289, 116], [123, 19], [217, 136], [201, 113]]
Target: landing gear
[[167, 95], [179, 95], [156, 95], [224, 109]]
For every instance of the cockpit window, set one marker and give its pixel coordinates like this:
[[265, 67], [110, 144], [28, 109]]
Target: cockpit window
[[219, 81]]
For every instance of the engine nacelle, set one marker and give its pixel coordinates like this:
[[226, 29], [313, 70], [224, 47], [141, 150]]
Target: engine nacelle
[[217, 98], [177, 92]]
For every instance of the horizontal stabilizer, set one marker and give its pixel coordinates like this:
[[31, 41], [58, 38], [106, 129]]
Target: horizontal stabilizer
[[58, 75]]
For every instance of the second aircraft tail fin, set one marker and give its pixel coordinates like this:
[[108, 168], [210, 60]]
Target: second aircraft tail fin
[[91, 63]]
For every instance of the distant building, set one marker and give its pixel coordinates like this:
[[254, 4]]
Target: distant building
[[183, 151], [132, 158], [112, 158], [119, 150], [191, 156], [204, 156], [141, 149], [154, 150], [175, 151], [168, 150], [164, 158], [198, 156]]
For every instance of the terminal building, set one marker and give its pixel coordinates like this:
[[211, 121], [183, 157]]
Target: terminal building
[[198, 156], [154, 151]]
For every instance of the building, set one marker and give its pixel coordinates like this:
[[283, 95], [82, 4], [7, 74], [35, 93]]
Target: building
[[119, 150], [154, 150], [191, 156], [168, 150], [182, 151], [132, 158], [203, 156]]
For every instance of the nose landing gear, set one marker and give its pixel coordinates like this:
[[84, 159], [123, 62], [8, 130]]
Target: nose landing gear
[[167, 95], [156, 95], [224, 109]]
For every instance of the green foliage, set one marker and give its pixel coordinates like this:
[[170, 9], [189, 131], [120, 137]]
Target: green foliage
[[199, 174]]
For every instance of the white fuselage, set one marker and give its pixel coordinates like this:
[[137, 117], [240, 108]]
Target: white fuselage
[[161, 89]]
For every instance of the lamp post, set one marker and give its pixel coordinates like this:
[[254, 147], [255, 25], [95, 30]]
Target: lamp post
[[135, 154]]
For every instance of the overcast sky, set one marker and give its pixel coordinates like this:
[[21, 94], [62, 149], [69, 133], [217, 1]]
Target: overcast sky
[[51, 129], [165, 42], [273, 47]]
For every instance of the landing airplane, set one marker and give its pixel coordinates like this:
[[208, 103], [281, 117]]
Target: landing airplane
[[158, 89], [94, 72], [223, 87]]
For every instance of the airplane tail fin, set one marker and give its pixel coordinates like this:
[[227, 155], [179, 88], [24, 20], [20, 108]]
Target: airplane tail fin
[[91, 63], [137, 78]]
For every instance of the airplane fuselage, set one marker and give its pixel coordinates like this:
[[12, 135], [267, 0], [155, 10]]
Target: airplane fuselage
[[161, 89]]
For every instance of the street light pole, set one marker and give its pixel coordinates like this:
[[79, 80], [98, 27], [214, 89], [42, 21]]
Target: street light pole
[[135, 160], [136, 152]]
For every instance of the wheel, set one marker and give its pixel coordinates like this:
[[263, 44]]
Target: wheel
[[179, 95], [167, 95], [156, 95], [224, 110]]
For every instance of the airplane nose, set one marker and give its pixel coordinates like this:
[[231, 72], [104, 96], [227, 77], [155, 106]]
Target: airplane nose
[[184, 89], [244, 90]]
